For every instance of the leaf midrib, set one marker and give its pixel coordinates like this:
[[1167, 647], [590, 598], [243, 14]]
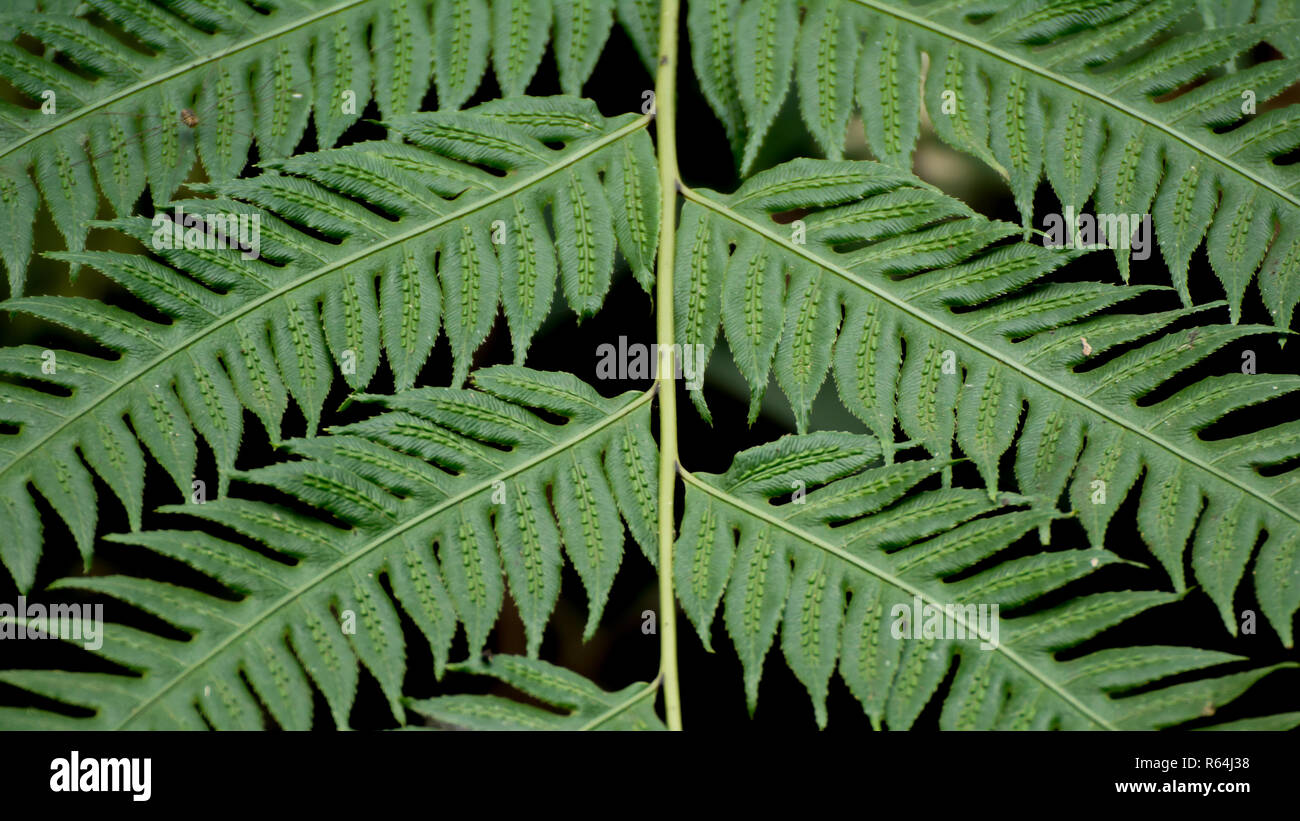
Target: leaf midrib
[[617, 708], [365, 550], [227, 319], [1022, 64], [982, 348], [196, 64], [890, 579]]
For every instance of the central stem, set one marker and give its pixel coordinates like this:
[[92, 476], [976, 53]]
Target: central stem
[[666, 132]]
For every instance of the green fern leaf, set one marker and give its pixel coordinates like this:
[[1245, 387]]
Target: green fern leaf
[[826, 85], [460, 54], [443, 495], [765, 50], [951, 332], [253, 333], [581, 29], [1083, 96], [640, 19], [712, 44], [841, 568], [519, 32], [589, 707], [245, 74]]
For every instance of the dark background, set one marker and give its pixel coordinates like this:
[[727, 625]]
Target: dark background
[[619, 653]]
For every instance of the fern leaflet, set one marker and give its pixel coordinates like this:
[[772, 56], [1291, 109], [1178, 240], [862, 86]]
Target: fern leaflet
[[905, 294], [590, 708], [256, 76], [1094, 97], [838, 570], [334, 281], [442, 496]]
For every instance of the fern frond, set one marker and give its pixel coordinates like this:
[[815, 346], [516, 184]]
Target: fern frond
[[457, 223], [254, 77], [588, 706], [835, 570], [1095, 97], [1275, 723], [924, 319], [437, 497]]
